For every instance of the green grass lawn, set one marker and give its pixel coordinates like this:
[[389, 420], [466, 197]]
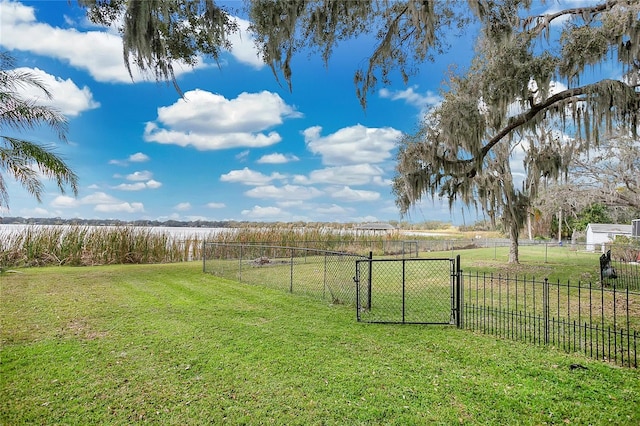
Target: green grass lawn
[[167, 344], [539, 261]]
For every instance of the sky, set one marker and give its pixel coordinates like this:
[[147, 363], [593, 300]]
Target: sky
[[239, 145]]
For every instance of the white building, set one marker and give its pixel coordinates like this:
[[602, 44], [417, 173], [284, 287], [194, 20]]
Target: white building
[[603, 233], [375, 228]]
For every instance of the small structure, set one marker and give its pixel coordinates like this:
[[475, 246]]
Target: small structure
[[375, 228], [599, 234]]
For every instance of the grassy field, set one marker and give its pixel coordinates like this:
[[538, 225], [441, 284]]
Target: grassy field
[[540, 261], [167, 344]]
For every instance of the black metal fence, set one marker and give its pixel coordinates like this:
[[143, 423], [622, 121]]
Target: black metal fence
[[600, 322], [319, 273], [622, 275], [408, 291]]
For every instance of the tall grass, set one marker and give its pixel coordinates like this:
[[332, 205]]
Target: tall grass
[[78, 245], [86, 245]]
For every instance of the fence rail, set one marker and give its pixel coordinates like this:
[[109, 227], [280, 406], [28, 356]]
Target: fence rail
[[408, 291], [600, 322], [326, 274]]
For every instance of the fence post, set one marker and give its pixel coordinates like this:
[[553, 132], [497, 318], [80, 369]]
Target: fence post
[[204, 257], [369, 280], [356, 280], [324, 277], [545, 309], [240, 265], [403, 291], [459, 295], [291, 274]]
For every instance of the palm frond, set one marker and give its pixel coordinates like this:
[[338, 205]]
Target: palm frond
[[4, 193], [23, 160], [20, 115]]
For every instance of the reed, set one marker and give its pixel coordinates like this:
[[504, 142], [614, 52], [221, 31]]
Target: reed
[[79, 245], [84, 245]]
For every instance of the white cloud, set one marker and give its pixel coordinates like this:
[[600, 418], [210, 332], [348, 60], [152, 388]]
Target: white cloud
[[138, 186], [98, 198], [64, 202], [140, 175], [242, 157], [423, 102], [354, 195], [287, 192], [380, 181], [357, 174], [243, 46], [153, 184], [97, 52], [123, 207], [182, 207], [139, 157], [277, 158], [247, 176], [203, 111], [258, 212], [216, 205], [66, 97], [334, 209], [209, 121], [352, 145], [101, 202]]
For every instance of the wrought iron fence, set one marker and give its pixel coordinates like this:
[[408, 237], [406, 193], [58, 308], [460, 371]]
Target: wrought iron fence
[[319, 273], [600, 322], [623, 275]]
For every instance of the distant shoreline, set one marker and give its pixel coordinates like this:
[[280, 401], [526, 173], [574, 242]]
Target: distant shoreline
[[172, 223], [118, 222]]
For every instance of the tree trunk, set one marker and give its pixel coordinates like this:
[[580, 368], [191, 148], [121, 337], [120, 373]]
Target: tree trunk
[[514, 232], [560, 226]]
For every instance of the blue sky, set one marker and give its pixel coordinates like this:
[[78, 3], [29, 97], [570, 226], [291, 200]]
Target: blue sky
[[239, 146]]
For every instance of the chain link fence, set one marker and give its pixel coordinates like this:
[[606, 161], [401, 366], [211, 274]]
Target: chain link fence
[[600, 320], [328, 275], [407, 291]]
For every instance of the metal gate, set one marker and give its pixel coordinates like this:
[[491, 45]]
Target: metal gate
[[409, 291]]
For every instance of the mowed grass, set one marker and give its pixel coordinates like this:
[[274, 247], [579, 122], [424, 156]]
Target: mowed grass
[[539, 261], [167, 344]]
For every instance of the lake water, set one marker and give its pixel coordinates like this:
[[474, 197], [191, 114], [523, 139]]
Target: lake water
[[182, 233], [176, 232]]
